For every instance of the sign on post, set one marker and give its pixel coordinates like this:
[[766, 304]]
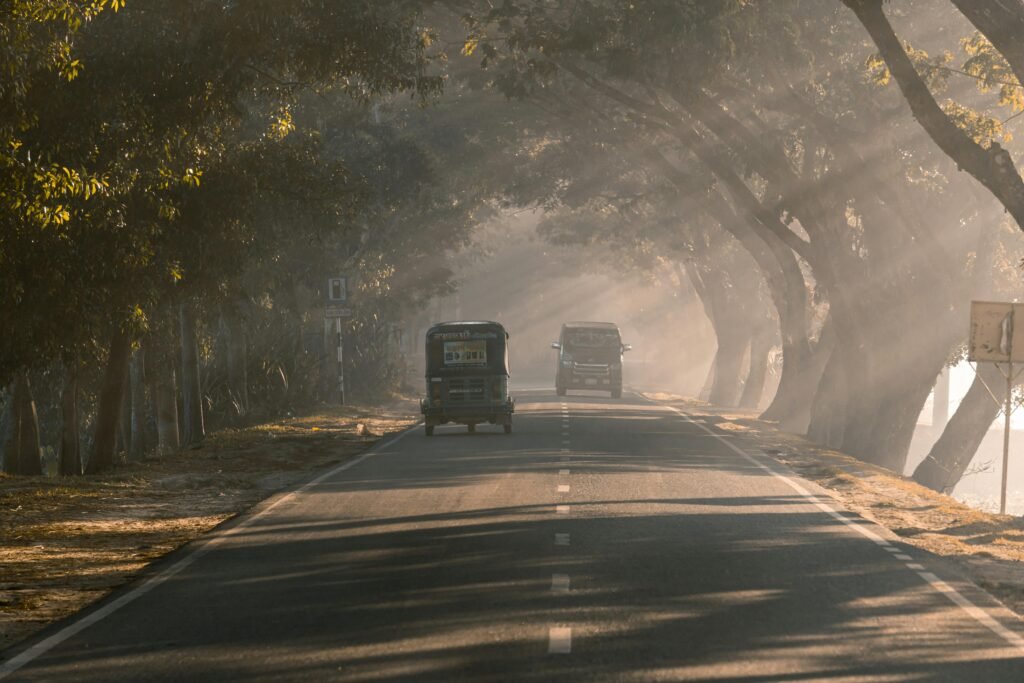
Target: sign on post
[[337, 290], [992, 341], [335, 309]]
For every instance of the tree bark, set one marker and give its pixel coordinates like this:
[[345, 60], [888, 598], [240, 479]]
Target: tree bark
[[138, 406], [108, 412], [193, 428], [21, 448], [952, 453], [237, 360], [753, 388], [70, 444], [160, 375]]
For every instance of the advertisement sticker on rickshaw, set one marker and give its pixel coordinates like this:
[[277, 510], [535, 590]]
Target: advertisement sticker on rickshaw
[[465, 353]]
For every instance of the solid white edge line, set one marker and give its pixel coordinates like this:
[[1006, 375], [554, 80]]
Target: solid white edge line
[[206, 545], [957, 598]]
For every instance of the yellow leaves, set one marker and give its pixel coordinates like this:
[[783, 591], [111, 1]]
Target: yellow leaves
[[986, 64], [191, 177], [281, 125], [470, 46], [934, 70], [982, 129], [878, 70]]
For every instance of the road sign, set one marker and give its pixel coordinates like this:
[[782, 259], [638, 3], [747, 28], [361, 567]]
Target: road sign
[[992, 332], [337, 312], [337, 290]]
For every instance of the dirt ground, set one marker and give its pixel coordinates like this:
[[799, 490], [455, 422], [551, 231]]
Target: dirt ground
[[67, 541], [988, 547]]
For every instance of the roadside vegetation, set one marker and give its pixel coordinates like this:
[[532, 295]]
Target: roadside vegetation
[[833, 181]]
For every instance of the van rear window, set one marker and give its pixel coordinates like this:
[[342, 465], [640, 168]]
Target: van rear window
[[592, 338]]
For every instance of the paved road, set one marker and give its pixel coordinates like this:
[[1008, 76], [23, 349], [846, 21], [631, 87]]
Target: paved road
[[602, 540]]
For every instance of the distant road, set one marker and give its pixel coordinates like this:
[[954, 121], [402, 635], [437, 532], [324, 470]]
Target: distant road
[[603, 540]]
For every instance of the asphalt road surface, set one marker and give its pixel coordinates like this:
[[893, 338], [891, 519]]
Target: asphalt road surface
[[604, 540]]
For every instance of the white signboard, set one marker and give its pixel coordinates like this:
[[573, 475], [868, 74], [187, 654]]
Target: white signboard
[[337, 312], [465, 353], [995, 328]]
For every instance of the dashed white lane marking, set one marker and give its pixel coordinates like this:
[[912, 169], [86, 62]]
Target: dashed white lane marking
[[563, 472], [954, 596], [901, 556], [563, 488], [561, 539], [565, 450], [892, 549], [559, 640], [915, 566], [208, 544], [559, 583], [561, 509]]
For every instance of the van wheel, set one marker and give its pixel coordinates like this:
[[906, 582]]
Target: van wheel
[[429, 429], [471, 428], [508, 428], [617, 392]]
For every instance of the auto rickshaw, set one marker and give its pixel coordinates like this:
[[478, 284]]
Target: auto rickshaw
[[467, 376]]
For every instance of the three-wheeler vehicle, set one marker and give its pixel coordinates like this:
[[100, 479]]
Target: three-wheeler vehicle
[[467, 376]]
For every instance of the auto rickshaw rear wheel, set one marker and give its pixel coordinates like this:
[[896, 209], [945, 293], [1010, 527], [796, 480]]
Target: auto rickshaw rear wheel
[[429, 429], [508, 427]]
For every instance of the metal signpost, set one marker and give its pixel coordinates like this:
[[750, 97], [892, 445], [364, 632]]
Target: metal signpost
[[334, 311], [991, 341]]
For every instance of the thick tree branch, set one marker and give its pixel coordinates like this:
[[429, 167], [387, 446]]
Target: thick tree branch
[[992, 167], [693, 141]]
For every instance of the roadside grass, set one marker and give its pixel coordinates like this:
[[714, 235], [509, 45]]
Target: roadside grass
[[67, 541]]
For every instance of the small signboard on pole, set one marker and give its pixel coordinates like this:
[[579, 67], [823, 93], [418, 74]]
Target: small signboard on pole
[[991, 340], [335, 308]]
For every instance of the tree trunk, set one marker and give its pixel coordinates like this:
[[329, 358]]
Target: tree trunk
[[109, 409], [725, 390], [237, 360], [138, 406], [160, 375], [21, 449], [753, 388], [828, 412], [950, 456], [709, 381], [70, 444], [193, 429], [804, 383]]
